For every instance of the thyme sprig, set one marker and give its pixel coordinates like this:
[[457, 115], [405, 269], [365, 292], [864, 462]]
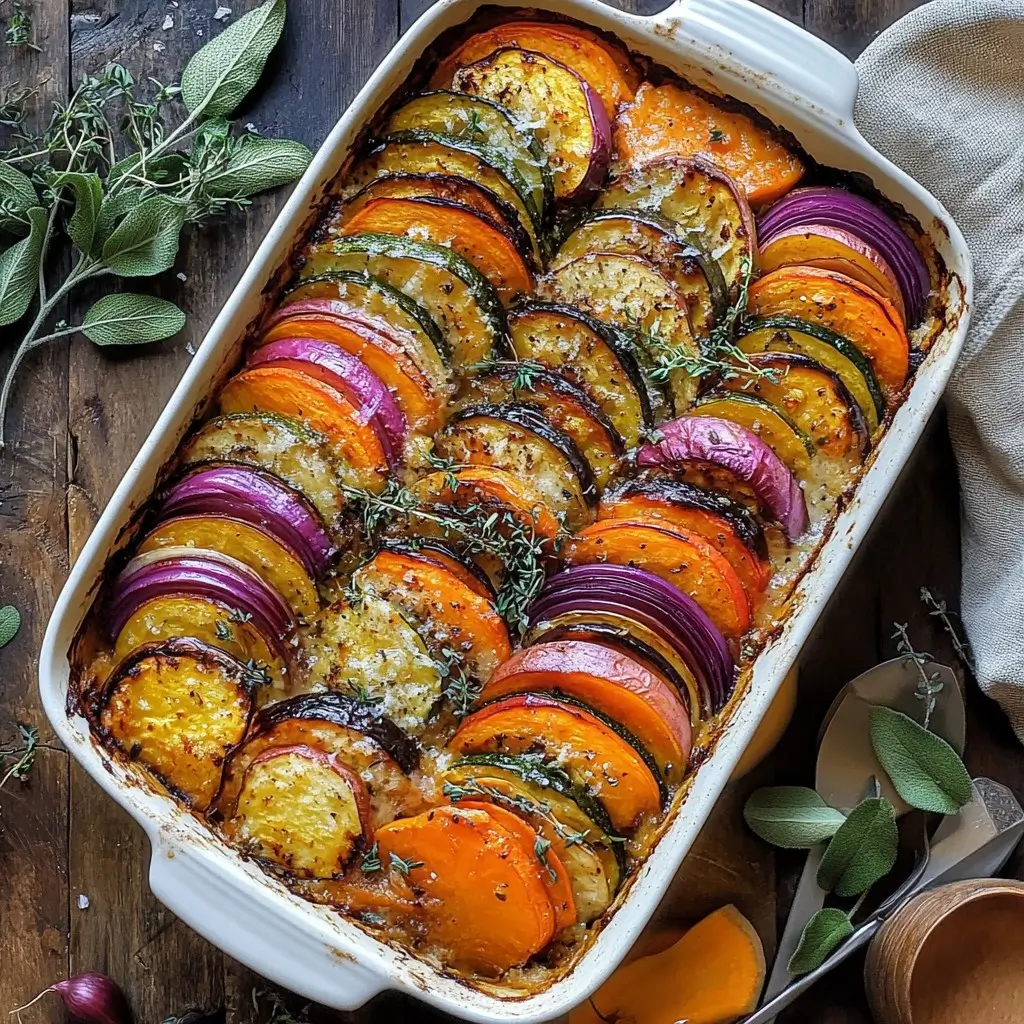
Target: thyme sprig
[[20, 30], [928, 686], [24, 755], [937, 608]]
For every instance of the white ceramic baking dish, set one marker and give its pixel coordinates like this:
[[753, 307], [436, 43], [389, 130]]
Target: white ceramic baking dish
[[732, 46]]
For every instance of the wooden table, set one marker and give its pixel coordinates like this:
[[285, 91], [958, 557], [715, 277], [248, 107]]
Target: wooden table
[[80, 416]]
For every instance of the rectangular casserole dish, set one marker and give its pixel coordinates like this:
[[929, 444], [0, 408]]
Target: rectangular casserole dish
[[729, 46]]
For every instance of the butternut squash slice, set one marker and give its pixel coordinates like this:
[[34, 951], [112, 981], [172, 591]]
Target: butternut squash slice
[[669, 119], [486, 908], [684, 559], [846, 307], [712, 975]]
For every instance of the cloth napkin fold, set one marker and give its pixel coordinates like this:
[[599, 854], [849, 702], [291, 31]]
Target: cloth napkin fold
[[942, 95]]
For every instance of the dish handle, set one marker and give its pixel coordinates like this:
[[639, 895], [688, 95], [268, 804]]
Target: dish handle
[[808, 69], [264, 940]]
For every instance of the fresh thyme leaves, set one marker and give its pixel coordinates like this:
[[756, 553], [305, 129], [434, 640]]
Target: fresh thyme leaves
[[716, 135], [24, 756], [525, 375], [10, 623], [69, 188], [928, 686], [446, 466], [403, 867], [459, 689], [961, 647], [223, 631], [19, 26], [371, 861], [279, 1012], [540, 848], [471, 789], [235, 615], [472, 129], [257, 673], [361, 693]]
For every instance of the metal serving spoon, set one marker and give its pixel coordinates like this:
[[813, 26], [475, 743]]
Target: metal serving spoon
[[846, 764]]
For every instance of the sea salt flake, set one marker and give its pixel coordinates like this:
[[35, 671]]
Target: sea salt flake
[[181, 276], [190, 348], [83, 901], [222, 13], [168, 22], [199, 31], [159, 47]]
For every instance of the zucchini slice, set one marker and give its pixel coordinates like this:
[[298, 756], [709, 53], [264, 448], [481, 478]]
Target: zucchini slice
[[380, 301], [564, 405], [459, 299], [301, 809], [695, 276], [480, 120], [369, 648], [357, 733], [285, 448], [593, 355], [831, 350], [632, 294], [177, 708], [520, 440], [815, 398], [771, 424], [703, 204], [423, 152]]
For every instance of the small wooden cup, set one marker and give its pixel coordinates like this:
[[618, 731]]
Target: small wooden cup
[[929, 962]]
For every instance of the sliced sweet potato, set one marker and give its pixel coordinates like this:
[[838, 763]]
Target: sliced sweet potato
[[486, 908], [445, 556], [451, 614], [611, 681], [302, 809], [418, 398], [604, 66], [252, 547], [845, 306], [669, 119], [686, 560], [481, 240], [178, 708], [550, 868], [616, 770]]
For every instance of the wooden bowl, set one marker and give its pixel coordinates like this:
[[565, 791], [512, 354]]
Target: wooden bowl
[[953, 954]]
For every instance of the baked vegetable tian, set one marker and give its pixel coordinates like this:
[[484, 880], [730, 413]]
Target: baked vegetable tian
[[437, 610]]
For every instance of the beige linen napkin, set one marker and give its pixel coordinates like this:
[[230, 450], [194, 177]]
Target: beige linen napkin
[[942, 95]]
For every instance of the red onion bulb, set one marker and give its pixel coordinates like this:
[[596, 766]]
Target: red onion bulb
[[89, 998]]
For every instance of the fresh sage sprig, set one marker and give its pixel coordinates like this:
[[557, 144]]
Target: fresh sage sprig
[[123, 214], [792, 817], [824, 933]]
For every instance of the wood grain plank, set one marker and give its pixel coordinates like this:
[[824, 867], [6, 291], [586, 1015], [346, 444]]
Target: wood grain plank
[[33, 564], [849, 25]]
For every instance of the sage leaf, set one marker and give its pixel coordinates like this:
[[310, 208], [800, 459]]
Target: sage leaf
[[10, 623], [923, 768], [17, 197], [146, 241], [792, 817], [258, 166], [128, 319], [826, 931], [220, 75], [88, 191], [19, 269], [113, 210], [862, 851]]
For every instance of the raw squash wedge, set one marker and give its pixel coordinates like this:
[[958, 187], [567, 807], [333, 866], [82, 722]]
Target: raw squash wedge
[[418, 398], [481, 241], [686, 560], [449, 611], [499, 921], [596, 755], [611, 681], [669, 120], [592, 354], [252, 547], [831, 350], [288, 391], [842, 305], [178, 708], [604, 66]]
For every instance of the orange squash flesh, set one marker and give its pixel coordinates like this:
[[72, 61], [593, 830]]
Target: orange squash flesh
[[684, 559], [550, 869], [668, 119], [483, 900], [448, 609], [485, 246], [712, 975], [451, 564], [611, 681], [604, 67], [592, 753], [414, 393], [845, 306], [291, 392], [753, 573]]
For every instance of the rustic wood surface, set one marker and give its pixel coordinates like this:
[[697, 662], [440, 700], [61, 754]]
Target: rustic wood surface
[[79, 417]]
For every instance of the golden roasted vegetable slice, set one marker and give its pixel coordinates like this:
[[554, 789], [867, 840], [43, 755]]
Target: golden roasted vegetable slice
[[178, 708], [302, 809]]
